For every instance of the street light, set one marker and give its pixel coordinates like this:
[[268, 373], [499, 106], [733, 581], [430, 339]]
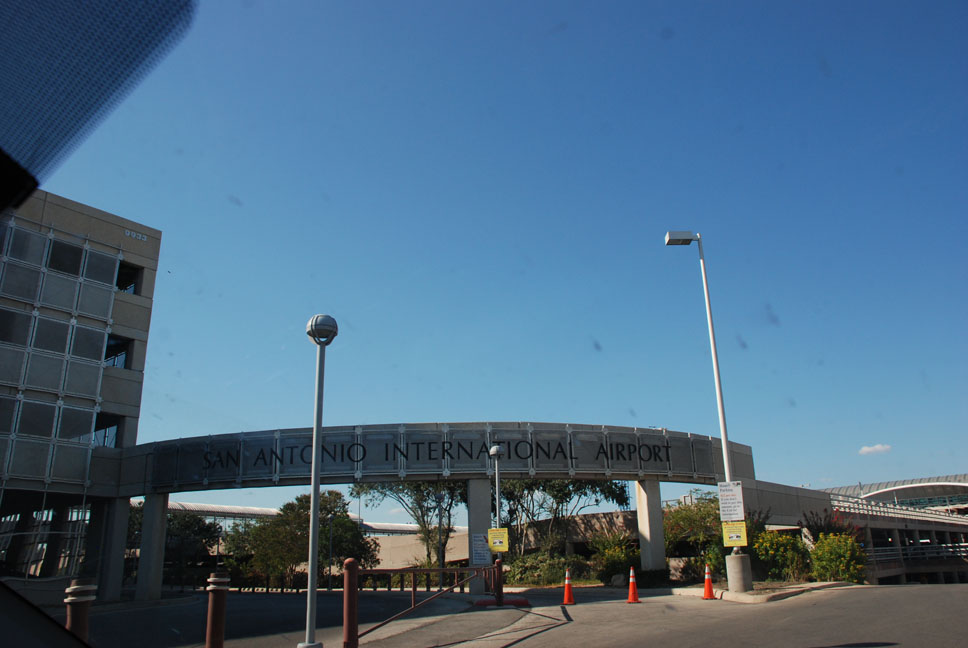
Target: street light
[[321, 329], [738, 573], [685, 238], [497, 451]]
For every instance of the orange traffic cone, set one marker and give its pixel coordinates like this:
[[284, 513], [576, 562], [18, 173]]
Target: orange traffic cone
[[633, 588], [707, 592], [569, 597]]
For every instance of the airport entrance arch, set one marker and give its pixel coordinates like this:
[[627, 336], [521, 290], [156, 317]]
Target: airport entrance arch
[[425, 451]]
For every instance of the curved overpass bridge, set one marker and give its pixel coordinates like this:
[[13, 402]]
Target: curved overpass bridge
[[422, 451]]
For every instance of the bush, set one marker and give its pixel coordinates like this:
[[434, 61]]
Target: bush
[[838, 557], [693, 570], [614, 554], [545, 569], [784, 557]]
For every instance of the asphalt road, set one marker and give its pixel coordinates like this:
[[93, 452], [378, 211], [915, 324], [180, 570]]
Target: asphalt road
[[854, 617], [905, 615]]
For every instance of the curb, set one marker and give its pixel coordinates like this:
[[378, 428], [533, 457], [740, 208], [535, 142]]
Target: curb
[[746, 597]]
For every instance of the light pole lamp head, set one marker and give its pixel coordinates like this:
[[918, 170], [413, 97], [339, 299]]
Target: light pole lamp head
[[496, 451], [680, 238], [322, 329]]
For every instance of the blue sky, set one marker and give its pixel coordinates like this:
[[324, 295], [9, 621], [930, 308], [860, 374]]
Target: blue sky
[[478, 192]]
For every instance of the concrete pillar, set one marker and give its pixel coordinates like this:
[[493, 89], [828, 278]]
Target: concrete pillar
[[152, 559], [478, 522], [934, 536], [868, 539], [115, 539], [648, 506], [104, 545]]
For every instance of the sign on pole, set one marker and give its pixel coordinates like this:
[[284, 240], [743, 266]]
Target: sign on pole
[[497, 540], [734, 534], [480, 552], [731, 502]]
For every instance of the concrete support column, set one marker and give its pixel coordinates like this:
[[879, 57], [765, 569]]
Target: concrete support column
[[648, 506], [934, 536], [115, 539], [868, 538], [152, 559], [478, 522]]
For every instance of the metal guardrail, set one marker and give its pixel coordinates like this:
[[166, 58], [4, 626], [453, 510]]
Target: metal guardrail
[[493, 576], [886, 509], [913, 553]]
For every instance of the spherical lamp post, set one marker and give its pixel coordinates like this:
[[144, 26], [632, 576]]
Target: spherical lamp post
[[322, 330]]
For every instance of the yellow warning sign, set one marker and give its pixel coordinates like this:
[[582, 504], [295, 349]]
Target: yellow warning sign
[[734, 534], [497, 540]]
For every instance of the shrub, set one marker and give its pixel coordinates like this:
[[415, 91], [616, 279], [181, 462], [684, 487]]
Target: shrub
[[838, 557], [614, 554], [714, 555], [545, 569], [829, 522], [784, 557]]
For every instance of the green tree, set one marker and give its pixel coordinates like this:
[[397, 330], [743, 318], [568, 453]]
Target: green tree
[[690, 528], [279, 545], [189, 540], [695, 530], [550, 501], [188, 544], [430, 504]]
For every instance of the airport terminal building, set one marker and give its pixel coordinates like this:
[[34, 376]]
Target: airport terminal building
[[76, 287]]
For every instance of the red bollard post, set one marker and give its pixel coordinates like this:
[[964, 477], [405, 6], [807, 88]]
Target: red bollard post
[[218, 589], [498, 582], [80, 596], [351, 599]]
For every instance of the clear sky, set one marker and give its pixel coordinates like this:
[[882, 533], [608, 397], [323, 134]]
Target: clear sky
[[478, 193]]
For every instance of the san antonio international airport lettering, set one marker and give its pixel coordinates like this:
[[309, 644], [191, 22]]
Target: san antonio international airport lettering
[[342, 453]]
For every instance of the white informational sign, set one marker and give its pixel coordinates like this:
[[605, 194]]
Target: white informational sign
[[480, 551], [731, 507]]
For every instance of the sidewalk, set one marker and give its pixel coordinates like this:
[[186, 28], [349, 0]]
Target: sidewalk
[[761, 596]]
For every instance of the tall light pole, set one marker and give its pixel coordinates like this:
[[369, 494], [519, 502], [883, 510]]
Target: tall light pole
[[322, 329], [738, 573], [685, 238], [497, 451]]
